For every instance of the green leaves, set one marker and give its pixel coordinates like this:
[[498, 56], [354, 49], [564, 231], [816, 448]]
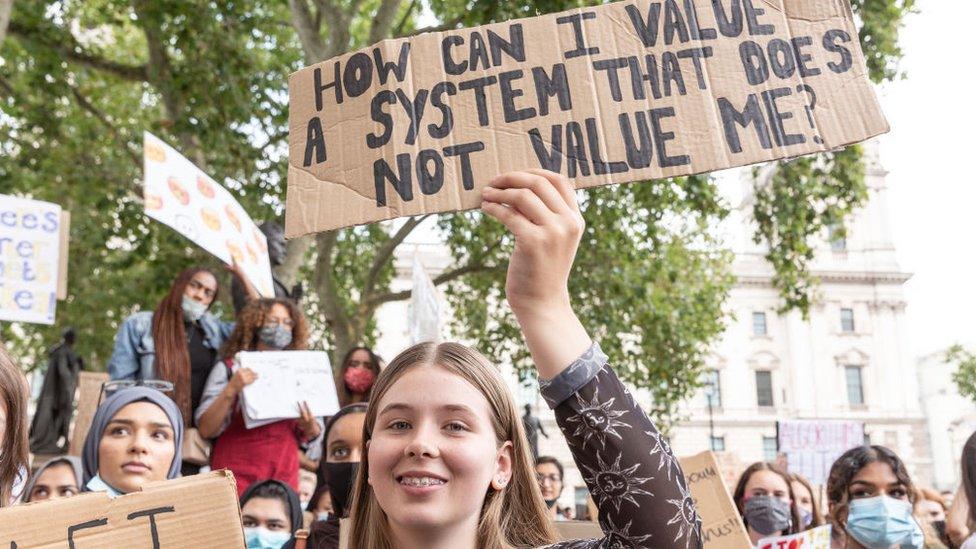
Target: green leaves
[[965, 374]]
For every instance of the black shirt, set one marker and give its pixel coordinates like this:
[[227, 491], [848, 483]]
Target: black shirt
[[202, 359]]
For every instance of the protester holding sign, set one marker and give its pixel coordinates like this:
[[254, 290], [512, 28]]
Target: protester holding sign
[[359, 370], [271, 512], [269, 450], [136, 437], [806, 502], [454, 464], [13, 429], [870, 498], [766, 501], [56, 479]]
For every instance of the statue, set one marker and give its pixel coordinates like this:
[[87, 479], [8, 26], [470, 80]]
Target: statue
[[533, 427], [276, 254], [49, 428]]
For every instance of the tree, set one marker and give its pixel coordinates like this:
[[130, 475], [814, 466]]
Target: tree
[[5, 7], [81, 80], [965, 375]]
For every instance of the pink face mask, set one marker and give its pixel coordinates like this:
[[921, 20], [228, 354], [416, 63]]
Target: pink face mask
[[359, 380]]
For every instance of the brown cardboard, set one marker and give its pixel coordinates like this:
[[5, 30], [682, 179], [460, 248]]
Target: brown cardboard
[[342, 167], [197, 511], [89, 387], [722, 527], [64, 238]]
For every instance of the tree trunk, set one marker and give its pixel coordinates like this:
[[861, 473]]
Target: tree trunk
[[6, 6]]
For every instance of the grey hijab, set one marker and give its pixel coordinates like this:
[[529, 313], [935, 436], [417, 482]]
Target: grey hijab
[[111, 406], [72, 461]]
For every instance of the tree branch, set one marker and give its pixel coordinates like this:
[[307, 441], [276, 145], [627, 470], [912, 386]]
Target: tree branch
[[386, 252], [307, 28], [87, 105], [75, 53], [443, 278], [450, 25], [6, 6], [404, 19], [383, 21]]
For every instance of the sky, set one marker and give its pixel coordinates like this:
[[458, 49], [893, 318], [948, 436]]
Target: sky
[[932, 190], [932, 196]]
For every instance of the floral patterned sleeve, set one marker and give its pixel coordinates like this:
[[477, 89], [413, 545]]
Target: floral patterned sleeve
[[635, 480]]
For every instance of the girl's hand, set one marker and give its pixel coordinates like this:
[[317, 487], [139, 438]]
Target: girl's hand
[[540, 210], [242, 378], [307, 423]]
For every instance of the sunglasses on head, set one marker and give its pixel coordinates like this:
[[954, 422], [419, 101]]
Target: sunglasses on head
[[109, 388]]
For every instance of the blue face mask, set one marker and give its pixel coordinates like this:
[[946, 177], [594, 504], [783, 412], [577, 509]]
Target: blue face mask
[[881, 522], [192, 310], [262, 538], [322, 516]]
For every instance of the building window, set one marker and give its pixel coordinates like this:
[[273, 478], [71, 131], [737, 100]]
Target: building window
[[718, 444], [847, 321], [759, 324], [764, 388], [838, 241], [855, 388], [713, 389], [581, 497], [769, 449]]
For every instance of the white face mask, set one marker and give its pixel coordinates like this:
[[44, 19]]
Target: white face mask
[[304, 503], [323, 516]]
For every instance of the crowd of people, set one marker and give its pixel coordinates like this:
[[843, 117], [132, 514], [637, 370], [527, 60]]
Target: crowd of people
[[429, 450]]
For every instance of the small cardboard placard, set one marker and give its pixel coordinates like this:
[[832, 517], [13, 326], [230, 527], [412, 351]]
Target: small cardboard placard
[[722, 526], [89, 388], [286, 378], [621, 92], [815, 538], [196, 511], [30, 259], [182, 196]]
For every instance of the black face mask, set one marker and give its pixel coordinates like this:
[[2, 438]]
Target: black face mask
[[940, 528], [550, 503], [340, 477]]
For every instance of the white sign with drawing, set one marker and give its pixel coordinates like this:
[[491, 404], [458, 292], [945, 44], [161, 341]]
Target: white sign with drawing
[[286, 378]]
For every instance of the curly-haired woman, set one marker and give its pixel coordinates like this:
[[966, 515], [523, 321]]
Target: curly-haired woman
[[269, 450]]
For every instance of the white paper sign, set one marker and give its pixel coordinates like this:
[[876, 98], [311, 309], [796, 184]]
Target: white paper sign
[[815, 538], [29, 259], [286, 378], [812, 446], [425, 311], [180, 195]]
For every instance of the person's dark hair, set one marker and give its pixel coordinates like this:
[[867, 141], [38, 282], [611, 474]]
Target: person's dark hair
[[251, 319], [169, 336], [14, 452], [374, 366], [968, 466], [848, 465], [738, 496], [549, 459]]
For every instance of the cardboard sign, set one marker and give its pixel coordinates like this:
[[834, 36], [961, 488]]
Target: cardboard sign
[[286, 378], [181, 196], [196, 511], [626, 91], [63, 240], [30, 259], [722, 526], [89, 387], [816, 538], [812, 446]]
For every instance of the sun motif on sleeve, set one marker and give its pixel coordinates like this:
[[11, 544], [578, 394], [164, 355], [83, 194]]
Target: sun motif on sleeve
[[597, 419], [615, 484], [620, 536], [663, 450], [685, 517]]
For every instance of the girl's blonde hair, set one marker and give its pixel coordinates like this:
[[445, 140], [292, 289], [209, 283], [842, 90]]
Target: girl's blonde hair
[[14, 451], [513, 517]]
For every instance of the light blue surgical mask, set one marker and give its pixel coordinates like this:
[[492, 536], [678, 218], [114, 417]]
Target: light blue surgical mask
[[322, 516], [96, 484], [262, 538], [192, 310], [881, 522]]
